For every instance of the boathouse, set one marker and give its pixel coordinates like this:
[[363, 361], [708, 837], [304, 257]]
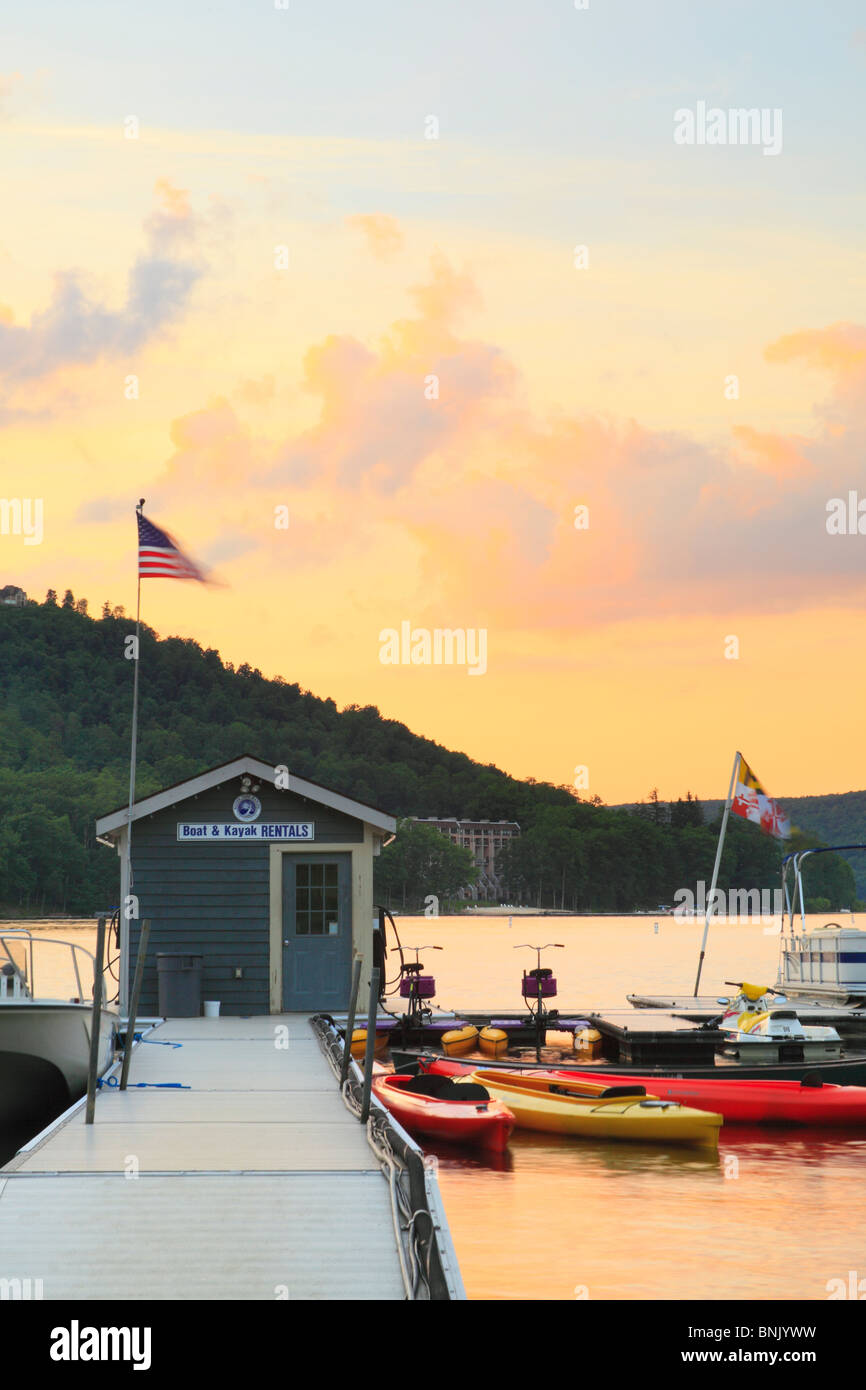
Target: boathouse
[[265, 875]]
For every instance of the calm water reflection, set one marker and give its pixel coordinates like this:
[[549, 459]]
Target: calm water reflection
[[773, 1215]]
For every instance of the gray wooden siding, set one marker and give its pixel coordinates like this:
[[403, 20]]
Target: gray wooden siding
[[213, 899]]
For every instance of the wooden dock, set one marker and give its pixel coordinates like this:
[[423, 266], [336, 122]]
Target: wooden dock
[[256, 1182]]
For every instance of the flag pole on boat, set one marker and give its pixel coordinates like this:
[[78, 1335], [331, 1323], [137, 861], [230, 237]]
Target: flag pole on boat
[[711, 898]]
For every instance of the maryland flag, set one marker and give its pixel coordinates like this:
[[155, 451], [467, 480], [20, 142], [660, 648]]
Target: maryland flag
[[752, 803]]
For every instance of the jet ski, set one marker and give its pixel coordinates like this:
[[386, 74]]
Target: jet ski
[[755, 1028]]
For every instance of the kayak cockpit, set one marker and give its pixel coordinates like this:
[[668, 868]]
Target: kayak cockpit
[[441, 1088]]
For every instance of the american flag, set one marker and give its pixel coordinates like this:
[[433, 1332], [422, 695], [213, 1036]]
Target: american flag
[[159, 557]]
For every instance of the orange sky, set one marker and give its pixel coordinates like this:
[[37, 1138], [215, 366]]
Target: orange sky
[[452, 504]]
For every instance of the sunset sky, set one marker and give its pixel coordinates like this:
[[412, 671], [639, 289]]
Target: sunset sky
[[282, 258]]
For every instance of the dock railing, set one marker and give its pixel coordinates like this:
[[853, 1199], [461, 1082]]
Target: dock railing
[[428, 1260]]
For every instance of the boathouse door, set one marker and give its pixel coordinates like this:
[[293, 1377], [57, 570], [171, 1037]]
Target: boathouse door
[[317, 931]]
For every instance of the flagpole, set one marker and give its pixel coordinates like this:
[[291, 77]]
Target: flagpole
[[124, 952], [711, 900]]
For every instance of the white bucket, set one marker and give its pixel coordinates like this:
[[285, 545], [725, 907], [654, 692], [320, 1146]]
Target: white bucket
[[211, 1008]]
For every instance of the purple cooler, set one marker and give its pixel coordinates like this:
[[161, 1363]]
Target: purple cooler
[[543, 984], [417, 987]]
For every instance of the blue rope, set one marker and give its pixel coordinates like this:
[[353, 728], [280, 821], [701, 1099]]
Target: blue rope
[[154, 1042], [161, 1085], [112, 1081]]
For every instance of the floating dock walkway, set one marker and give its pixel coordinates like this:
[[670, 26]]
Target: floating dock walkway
[[254, 1181]]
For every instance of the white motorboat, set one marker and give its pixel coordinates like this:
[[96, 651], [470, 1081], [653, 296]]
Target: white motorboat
[[45, 1028]]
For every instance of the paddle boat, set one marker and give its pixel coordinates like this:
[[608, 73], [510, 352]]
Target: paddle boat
[[418, 1024], [593, 1110], [437, 1107]]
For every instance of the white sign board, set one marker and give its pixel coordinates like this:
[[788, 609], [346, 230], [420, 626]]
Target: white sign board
[[201, 831]]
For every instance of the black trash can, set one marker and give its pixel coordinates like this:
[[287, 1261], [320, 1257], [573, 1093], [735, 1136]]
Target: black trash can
[[179, 985]]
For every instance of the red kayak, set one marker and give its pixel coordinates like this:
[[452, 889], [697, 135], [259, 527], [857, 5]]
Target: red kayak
[[739, 1102], [434, 1106]]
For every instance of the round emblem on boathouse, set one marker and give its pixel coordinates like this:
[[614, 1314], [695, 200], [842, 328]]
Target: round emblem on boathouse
[[246, 807]]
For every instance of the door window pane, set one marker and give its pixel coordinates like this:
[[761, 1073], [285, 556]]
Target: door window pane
[[317, 899]]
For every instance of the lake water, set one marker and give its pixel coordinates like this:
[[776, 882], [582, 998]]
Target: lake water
[[773, 1215]]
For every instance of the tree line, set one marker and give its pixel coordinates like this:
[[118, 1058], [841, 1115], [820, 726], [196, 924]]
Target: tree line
[[65, 709]]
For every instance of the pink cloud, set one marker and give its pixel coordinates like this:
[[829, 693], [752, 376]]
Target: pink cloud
[[381, 233], [485, 488], [840, 348]]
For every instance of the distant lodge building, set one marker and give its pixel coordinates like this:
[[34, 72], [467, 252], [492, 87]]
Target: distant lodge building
[[484, 838], [13, 597]]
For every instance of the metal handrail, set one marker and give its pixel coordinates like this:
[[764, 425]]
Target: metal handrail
[[794, 860], [22, 934], [428, 1263]]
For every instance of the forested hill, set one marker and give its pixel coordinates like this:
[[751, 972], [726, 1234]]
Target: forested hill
[[65, 702], [836, 819]]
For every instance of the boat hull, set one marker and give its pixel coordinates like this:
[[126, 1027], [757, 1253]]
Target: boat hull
[[477, 1125], [760, 1102], [847, 1071], [538, 1103], [854, 997], [55, 1035], [782, 1103], [754, 1050]]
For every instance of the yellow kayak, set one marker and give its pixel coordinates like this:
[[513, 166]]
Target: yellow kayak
[[590, 1111]]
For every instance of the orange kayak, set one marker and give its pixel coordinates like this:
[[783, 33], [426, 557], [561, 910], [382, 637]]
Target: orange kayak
[[436, 1107]]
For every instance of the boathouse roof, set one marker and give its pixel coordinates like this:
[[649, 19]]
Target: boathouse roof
[[263, 772]]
